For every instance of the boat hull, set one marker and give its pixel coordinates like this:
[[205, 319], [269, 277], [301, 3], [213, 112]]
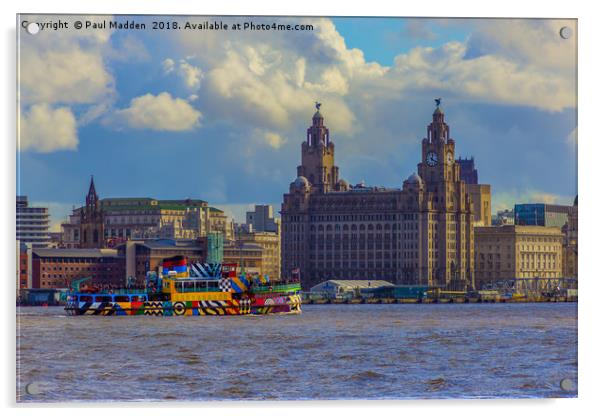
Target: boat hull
[[285, 304]]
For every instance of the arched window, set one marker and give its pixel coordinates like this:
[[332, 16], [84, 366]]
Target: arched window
[[95, 236]]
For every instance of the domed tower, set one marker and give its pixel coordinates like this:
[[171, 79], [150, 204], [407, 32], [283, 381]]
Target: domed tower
[[317, 156], [91, 228], [301, 184], [414, 182]]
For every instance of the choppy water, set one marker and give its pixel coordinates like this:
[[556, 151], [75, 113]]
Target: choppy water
[[328, 352]]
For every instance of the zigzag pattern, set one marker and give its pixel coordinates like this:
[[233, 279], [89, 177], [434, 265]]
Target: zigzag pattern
[[190, 308], [206, 270], [153, 308]]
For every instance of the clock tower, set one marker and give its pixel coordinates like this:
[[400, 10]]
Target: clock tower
[[447, 204], [317, 156], [438, 164]]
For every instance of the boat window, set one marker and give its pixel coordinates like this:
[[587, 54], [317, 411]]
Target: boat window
[[85, 298], [122, 298], [102, 299], [212, 284], [188, 286]]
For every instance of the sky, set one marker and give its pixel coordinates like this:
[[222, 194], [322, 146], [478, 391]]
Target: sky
[[221, 115]]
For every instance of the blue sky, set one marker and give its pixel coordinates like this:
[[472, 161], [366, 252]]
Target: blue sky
[[221, 115]]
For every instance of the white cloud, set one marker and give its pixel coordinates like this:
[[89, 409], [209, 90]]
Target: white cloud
[[73, 76], [527, 42], [486, 78], [270, 83], [507, 199], [191, 74], [58, 71], [168, 65], [65, 66], [160, 112], [418, 29], [274, 140], [331, 80], [44, 129]]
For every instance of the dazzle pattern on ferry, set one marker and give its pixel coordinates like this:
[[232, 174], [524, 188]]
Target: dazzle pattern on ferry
[[205, 270], [245, 306], [180, 288]]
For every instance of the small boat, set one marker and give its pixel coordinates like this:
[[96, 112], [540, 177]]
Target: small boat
[[213, 289]]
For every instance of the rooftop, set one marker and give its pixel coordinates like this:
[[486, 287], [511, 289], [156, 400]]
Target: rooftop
[[74, 252], [170, 244], [518, 229], [352, 284]]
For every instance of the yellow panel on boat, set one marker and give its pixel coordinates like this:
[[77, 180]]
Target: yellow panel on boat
[[178, 297], [125, 305]]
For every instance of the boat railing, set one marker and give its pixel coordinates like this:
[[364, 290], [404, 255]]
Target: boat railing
[[119, 291], [276, 287]]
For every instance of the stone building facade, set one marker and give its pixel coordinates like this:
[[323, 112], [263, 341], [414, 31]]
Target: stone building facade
[[480, 195], [570, 246], [421, 233], [247, 256], [109, 222], [517, 251], [270, 250]]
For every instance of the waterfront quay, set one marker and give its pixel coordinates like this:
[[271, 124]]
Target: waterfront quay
[[438, 300], [384, 292]]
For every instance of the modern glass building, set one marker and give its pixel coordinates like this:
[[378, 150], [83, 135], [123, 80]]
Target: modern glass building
[[545, 215]]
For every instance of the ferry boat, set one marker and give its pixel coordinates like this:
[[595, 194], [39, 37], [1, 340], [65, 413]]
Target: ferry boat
[[199, 290]]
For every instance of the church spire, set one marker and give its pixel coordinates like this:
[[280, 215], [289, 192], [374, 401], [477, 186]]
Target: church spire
[[91, 232], [92, 197]]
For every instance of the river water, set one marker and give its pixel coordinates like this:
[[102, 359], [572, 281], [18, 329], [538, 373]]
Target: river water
[[327, 352]]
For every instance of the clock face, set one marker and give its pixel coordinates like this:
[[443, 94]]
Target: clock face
[[450, 158], [431, 158]]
